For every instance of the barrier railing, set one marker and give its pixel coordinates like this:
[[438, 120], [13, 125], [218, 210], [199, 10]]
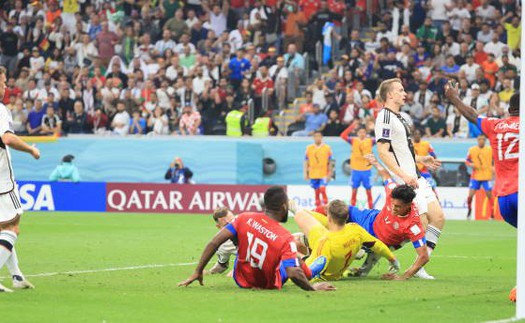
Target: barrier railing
[[251, 111], [265, 98]]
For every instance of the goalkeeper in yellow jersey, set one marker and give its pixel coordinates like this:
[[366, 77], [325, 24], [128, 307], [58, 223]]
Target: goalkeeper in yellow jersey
[[337, 240]]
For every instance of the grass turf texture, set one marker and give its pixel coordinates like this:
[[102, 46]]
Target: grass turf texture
[[474, 265]]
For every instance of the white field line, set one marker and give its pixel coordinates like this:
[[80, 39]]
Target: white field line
[[512, 319], [102, 270]]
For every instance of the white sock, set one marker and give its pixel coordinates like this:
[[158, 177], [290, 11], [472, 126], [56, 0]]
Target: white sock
[[432, 236], [7, 243], [12, 264]]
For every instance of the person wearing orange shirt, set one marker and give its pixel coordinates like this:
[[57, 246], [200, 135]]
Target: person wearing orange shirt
[[480, 160], [361, 167], [490, 68], [317, 167], [423, 148], [295, 21]]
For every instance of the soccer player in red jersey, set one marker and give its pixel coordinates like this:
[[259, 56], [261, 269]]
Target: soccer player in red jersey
[[267, 253], [395, 224], [503, 135]]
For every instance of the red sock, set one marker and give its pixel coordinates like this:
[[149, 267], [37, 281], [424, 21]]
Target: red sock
[[306, 269], [469, 202], [324, 197], [370, 199], [354, 197], [317, 195]]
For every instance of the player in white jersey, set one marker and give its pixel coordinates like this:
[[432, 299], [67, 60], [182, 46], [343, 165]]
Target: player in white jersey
[[10, 206], [396, 151]]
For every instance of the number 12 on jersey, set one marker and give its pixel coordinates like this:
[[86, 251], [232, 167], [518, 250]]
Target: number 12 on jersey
[[256, 253], [502, 141]]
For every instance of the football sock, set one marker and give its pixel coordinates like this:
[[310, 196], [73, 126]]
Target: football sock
[[354, 197], [307, 271], [432, 236], [469, 203], [317, 196], [7, 243], [324, 197], [370, 199], [12, 264]]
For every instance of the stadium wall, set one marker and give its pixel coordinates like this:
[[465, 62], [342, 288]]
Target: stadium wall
[[199, 199], [213, 160]]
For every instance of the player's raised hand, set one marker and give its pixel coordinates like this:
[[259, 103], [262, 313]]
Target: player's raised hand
[[35, 152], [451, 89], [324, 287], [371, 159], [410, 181], [191, 279], [431, 162], [394, 266]]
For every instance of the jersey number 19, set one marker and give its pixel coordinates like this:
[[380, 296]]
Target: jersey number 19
[[255, 256]]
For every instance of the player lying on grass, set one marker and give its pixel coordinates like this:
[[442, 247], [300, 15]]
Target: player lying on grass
[[337, 240], [267, 253], [397, 223], [222, 217]]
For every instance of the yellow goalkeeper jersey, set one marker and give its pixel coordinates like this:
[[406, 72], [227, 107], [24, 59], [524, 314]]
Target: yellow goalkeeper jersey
[[340, 247]]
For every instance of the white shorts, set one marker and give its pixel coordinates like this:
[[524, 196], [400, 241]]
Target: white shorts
[[10, 206], [424, 195]]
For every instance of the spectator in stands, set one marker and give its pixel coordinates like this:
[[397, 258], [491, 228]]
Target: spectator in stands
[[34, 119], [99, 121], [19, 115], [295, 22], [333, 125], [238, 66], [314, 121], [190, 122], [457, 125], [51, 123], [436, 125], [9, 44], [121, 120], [415, 110], [66, 171], [158, 122], [77, 122]]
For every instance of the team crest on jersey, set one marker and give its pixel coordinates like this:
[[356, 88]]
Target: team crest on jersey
[[386, 133], [396, 226]]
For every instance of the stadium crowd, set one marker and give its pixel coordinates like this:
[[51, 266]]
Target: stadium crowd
[[193, 67]]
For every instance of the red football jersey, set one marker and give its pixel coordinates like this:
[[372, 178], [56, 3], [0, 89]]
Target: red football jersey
[[394, 230], [263, 244], [504, 138]]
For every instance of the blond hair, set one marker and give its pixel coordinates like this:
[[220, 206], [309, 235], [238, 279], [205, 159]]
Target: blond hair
[[386, 86]]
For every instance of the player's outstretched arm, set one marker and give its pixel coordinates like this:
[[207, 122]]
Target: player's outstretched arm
[[297, 275], [421, 260], [13, 141], [452, 94], [208, 252]]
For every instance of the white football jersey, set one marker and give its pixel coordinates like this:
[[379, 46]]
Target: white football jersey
[[7, 177], [391, 127]]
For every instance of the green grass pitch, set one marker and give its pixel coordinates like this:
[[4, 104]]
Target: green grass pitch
[[474, 265]]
